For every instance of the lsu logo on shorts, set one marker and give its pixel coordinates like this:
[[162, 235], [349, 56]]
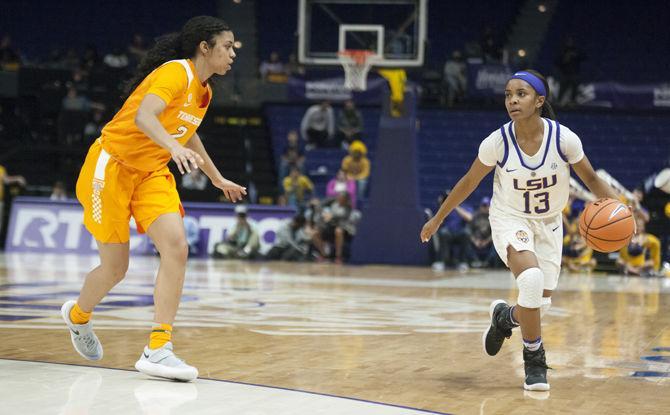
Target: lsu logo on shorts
[[522, 236]]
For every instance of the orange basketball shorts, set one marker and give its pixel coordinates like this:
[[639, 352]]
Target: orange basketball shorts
[[111, 193]]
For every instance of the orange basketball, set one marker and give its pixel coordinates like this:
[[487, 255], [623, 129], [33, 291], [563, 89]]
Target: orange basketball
[[607, 225]]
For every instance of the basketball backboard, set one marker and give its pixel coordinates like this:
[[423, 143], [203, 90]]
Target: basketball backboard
[[393, 29]]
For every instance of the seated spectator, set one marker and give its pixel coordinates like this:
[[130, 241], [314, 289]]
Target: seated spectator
[[75, 102], [58, 191], [481, 250], [297, 187], [349, 124], [292, 242], [339, 225], [243, 242], [93, 128], [455, 77], [6, 179], [293, 67], [195, 180], [273, 70], [137, 49], [192, 231], [642, 256], [357, 167], [318, 126], [10, 60], [577, 256], [450, 247], [293, 155], [340, 183]]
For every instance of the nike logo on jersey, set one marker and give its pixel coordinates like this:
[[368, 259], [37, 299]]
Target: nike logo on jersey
[[145, 355], [555, 228], [188, 100], [75, 332], [510, 170]]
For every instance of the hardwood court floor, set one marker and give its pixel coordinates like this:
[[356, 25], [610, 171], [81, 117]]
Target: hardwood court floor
[[397, 335]]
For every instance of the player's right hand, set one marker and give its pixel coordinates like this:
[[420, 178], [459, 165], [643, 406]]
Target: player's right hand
[[182, 156], [429, 230]]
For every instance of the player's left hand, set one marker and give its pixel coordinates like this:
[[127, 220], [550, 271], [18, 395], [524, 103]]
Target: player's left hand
[[429, 229], [233, 191]]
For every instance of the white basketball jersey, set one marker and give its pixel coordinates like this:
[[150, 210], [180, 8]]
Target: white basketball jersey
[[531, 187]]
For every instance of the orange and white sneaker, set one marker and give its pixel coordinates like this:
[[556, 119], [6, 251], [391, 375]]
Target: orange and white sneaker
[[163, 363]]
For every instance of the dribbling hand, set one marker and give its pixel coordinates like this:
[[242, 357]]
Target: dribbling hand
[[182, 156], [429, 230]]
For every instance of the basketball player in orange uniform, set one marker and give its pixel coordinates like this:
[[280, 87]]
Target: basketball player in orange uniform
[[532, 156], [125, 174]]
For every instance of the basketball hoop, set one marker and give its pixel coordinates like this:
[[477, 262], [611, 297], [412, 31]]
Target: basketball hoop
[[356, 64]]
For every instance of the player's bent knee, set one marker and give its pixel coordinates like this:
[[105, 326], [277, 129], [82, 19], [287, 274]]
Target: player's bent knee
[[546, 304], [531, 286]]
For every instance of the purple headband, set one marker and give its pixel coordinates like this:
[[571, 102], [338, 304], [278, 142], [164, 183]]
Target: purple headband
[[533, 80]]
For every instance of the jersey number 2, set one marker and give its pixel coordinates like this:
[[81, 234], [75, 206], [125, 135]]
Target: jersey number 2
[[542, 198], [181, 131]]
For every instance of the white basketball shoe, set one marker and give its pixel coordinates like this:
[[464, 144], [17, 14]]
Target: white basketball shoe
[[84, 340], [163, 363]]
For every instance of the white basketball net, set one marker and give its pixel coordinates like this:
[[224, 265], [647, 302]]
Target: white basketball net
[[356, 64]]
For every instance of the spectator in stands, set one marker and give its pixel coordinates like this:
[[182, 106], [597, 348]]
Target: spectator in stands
[[137, 49], [73, 101], [356, 165], [490, 48], [10, 60], [292, 242], [195, 180], [293, 67], [293, 154], [314, 216], [481, 250], [71, 60], [273, 70], [116, 59], [318, 125], [58, 191], [340, 183], [642, 256], [192, 231], [577, 256], [90, 59], [339, 225], [6, 179], [297, 187], [349, 124], [450, 248], [243, 242], [93, 127], [455, 77], [568, 64]]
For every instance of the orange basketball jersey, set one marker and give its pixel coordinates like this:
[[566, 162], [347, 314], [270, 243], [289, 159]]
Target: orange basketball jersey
[[187, 99]]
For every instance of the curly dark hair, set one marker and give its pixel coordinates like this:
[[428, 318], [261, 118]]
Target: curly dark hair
[[177, 45]]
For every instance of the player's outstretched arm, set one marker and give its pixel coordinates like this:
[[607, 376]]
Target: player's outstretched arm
[[233, 191], [459, 193], [591, 179]]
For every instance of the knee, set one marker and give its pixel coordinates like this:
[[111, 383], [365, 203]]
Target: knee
[[116, 270], [531, 286], [176, 250]]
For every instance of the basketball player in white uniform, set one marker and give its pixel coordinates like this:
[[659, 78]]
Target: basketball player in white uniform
[[531, 156]]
